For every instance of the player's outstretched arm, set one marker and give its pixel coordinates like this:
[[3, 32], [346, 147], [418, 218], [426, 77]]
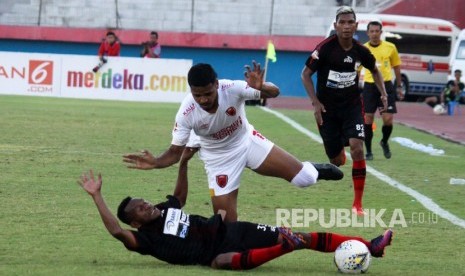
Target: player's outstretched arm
[[254, 78], [146, 161], [182, 187], [93, 188], [269, 90]]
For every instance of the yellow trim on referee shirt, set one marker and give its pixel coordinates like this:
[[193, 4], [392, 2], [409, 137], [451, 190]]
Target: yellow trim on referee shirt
[[386, 57]]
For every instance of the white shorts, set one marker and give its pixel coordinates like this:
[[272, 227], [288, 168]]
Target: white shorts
[[224, 170]]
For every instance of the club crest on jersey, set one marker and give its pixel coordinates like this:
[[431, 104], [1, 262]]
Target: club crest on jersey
[[222, 180], [231, 111], [348, 59]]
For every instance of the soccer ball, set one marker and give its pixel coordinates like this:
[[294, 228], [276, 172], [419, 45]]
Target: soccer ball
[[352, 257], [439, 109]]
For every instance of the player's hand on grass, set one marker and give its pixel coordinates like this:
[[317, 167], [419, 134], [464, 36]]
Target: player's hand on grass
[[89, 184], [318, 108], [254, 77], [142, 161]]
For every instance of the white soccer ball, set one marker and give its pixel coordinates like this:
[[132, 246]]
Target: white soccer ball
[[352, 257], [439, 109]]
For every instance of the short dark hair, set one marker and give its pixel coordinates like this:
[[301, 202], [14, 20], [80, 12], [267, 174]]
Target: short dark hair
[[154, 33], [111, 33], [201, 74], [122, 214], [345, 10], [375, 23], [458, 71]]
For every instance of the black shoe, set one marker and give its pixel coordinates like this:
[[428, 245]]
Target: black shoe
[[328, 171], [369, 156], [386, 150]]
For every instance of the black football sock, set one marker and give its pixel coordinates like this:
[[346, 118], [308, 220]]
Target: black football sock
[[387, 130], [368, 136]]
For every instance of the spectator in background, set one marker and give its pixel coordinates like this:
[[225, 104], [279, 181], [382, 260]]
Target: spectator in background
[[152, 48], [110, 47], [451, 92]]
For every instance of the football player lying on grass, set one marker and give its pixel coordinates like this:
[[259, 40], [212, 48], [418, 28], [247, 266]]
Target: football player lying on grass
[[165, 232]]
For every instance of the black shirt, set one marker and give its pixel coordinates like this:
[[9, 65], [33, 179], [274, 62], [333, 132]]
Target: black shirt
[[178, 238], [449, 94], [337, 71]]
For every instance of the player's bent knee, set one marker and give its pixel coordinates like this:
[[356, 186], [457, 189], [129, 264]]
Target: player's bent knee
[[307, 176], [222, 261], [338, 161]]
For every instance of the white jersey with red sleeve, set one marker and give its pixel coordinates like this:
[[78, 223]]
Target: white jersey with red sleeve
[[223, 130]]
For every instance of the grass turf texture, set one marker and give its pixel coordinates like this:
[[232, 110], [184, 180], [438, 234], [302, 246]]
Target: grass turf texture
[[51, 226]]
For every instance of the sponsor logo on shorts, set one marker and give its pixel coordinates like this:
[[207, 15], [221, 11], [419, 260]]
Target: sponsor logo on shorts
[[231, 111], [222, 180]]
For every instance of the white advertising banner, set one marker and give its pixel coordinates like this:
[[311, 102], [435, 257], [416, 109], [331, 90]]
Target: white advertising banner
[[29, 74], [71, 76]]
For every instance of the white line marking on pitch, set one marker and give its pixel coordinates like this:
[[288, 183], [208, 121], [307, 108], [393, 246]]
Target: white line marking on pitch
[[427, 202]]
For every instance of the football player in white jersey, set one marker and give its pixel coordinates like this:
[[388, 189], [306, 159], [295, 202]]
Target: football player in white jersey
[[212, 118]]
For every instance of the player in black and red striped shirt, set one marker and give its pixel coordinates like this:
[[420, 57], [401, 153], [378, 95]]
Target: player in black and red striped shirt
[[336, 99], [165, 232]]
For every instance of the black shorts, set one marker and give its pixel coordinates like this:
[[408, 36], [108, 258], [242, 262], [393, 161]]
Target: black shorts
[[339, 126], [372, 97], [241, 236]]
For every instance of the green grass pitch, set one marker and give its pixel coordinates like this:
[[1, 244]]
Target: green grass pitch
[[50, 226]]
